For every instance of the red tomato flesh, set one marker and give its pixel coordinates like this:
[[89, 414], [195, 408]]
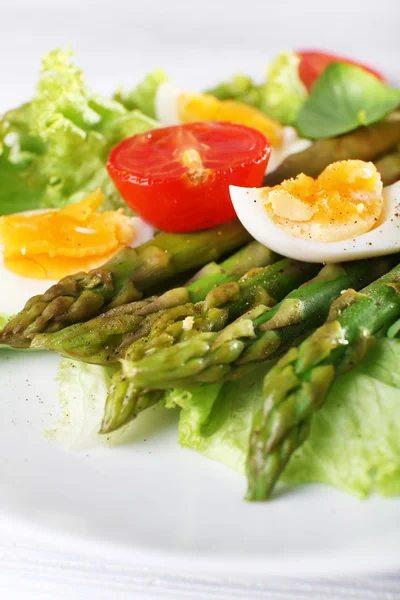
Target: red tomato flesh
[[313, 63], [177, 178]]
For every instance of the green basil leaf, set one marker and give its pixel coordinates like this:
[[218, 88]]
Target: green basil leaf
[[342, 99]]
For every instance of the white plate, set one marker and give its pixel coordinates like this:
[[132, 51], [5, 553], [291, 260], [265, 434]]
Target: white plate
[[151, 501], [162, 505]]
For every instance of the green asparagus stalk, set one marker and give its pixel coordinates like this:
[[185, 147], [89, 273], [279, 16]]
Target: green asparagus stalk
[[389, 167], [102, 340], [365, 143], [258, 335], [252, 256], [124, 402], [299, 383], [222, 305], [255, 336], [125, 278]]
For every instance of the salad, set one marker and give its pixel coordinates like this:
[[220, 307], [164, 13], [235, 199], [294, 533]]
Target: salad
[[231, 253]]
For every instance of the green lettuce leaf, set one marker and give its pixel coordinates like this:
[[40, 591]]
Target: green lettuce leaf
[[240, 87], [143, 96], [82, 394], [53, 150], [283, 94], [343, 98], [15, 193], [280, 97], [216, 419], [354, 442]]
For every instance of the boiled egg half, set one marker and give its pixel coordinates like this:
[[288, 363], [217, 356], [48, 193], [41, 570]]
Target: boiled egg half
[[344, 214], [174, 106], [39, 248]]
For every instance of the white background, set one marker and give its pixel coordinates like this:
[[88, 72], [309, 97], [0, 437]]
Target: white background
[[198, 43]]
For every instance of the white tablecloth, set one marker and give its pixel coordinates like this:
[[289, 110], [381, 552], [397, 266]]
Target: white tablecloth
[[35, 569]]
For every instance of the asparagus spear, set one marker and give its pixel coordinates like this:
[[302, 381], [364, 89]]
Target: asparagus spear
[[365, 143], [255, 336], [123, 279], [233, 268], [389, 167], [259, 335], [299, 383], [222, 305], [102, 340], [124, 403]]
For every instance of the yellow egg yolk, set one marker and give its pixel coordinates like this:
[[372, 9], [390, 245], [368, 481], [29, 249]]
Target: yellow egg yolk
[[205, 107], [53, 244], [343, 202]]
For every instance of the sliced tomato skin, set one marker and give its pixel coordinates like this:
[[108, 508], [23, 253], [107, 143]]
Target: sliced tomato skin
[[184, 200], [313, 63]]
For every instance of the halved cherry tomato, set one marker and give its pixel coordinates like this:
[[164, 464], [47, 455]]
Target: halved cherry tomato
[[177, 178], [313, 63]]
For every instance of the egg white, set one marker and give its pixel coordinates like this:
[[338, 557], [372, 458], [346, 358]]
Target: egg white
[[166, 104], [383, 239], [17, 290]]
